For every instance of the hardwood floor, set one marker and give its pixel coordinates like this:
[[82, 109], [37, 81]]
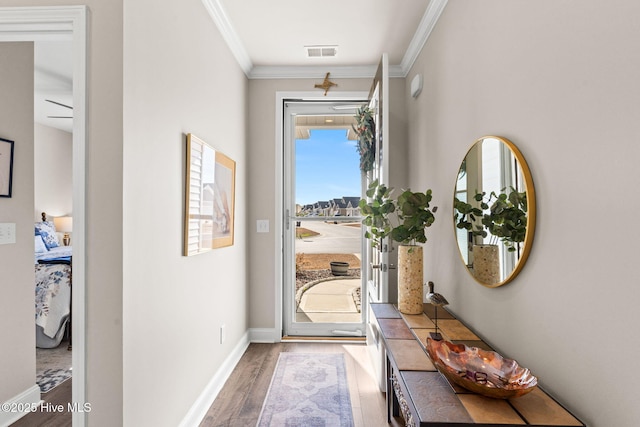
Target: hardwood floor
[[60, 395], [240, 400]]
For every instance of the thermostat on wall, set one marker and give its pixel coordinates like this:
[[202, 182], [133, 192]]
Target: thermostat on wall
[[416, 85]]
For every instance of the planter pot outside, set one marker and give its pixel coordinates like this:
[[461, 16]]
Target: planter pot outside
[[486, 264], [410, 279], [339, 268]]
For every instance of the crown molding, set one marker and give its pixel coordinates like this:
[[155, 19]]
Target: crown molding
[[222, 21], [307, 72], [426, 26]]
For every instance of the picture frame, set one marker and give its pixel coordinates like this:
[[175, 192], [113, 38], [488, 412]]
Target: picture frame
[[209, 198], [224, 205], [6, 167]]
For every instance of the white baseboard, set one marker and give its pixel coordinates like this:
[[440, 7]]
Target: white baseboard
[[16, 405], [265, 335], [205, 400]]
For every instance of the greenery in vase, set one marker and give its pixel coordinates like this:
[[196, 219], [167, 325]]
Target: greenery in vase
[[506, 219], [365, 129], [466, 215], [412, 215]]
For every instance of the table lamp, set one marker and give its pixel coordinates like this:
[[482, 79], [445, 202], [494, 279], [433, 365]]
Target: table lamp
[[64, 224]]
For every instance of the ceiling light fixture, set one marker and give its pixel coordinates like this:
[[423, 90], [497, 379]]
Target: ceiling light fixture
[[321, 51]]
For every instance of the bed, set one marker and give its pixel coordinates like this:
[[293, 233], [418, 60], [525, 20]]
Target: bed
[[52, 285]]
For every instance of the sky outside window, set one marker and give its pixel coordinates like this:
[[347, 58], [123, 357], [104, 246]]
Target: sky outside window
[[327, 167]]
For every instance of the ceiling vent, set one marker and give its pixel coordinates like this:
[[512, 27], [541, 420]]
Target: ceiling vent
[[319, 51]]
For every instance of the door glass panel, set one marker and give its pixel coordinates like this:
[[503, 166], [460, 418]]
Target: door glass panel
[[325, 187], [328, 236]]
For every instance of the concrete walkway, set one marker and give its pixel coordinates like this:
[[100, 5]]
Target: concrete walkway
[[330, 301]]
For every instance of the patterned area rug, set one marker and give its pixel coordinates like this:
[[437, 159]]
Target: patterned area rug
[[308, 390], [51, 378]]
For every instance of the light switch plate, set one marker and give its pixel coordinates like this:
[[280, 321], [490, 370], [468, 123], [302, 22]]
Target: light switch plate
[[7, 233], [262, 226]]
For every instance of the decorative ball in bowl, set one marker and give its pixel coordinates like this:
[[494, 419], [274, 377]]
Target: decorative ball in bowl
[[480, 371]]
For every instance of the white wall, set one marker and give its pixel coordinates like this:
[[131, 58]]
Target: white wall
[[560, 79], [53, 172], [18, 356], [103, 207], [179, 78]]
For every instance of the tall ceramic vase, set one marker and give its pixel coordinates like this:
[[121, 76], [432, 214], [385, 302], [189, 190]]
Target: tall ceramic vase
[[410, 279], [486, 264]]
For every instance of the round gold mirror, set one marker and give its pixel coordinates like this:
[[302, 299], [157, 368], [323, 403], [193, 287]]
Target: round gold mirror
[[494, 211]]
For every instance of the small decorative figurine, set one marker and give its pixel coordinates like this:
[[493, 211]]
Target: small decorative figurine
[[437, 300], [326, 84]]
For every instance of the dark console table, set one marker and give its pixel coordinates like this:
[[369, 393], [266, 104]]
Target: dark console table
[[424, 397]]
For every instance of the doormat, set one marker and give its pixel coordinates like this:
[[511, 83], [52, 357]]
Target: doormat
[[308, 390], [51, 378]]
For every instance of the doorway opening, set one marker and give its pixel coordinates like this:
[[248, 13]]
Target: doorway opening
[[322, 231], [57, 23]]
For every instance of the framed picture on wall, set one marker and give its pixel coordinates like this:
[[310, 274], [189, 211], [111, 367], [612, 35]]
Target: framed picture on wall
[[210, 198], [224, 200], [6, 167]]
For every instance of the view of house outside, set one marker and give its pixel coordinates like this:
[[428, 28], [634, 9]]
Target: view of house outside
[[327, 250]]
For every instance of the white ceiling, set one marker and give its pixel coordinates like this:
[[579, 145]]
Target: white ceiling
[[53, 62], [268, 39], [275, 32]]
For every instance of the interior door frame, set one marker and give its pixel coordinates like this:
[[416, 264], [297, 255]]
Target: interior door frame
[[280, 214], [68, 23]]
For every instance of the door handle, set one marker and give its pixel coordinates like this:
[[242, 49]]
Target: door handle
[[382, 267]]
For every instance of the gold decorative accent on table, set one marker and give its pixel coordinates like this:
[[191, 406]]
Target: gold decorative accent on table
[[326, 84]]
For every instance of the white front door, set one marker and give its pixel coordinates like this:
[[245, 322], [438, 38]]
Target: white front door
[[377, 259], [322, 186]]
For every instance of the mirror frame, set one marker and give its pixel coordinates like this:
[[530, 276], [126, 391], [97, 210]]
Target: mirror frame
[[531, 210]]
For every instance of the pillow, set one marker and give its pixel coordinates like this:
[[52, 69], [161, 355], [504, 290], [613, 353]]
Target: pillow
[[40, 246], [48, 232]]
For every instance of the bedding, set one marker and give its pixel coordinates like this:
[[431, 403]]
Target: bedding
[[41, 248], [53, 285], [47, 230], [55, 253], [53, 301]]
